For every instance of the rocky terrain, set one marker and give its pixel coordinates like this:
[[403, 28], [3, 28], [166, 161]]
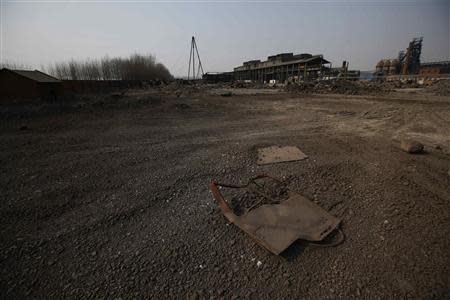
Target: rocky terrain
[[108, 197]]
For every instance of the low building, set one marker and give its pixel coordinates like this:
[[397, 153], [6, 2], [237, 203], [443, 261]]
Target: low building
[[435, 68], [21, 84], [215, 77], [282, 67]]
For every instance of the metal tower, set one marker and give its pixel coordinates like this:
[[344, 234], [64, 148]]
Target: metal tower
[[410, 60], [193, 51]]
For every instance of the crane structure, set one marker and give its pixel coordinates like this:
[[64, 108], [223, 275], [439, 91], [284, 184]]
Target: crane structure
[[192, 54]]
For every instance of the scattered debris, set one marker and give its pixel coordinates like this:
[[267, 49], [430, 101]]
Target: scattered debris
[[411, 146], [441, 87], [276, 154], [347, 87], [277, 226]]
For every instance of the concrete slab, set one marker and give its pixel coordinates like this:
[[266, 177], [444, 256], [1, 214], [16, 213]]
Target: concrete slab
[[277, 154]]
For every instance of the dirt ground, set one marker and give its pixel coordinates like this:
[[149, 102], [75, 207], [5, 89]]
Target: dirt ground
[[111, 199]]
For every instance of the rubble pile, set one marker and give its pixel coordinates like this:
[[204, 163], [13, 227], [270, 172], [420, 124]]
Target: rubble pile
[[240, 84], [441, 87], [180, 88], [401, 84], [338, 87]]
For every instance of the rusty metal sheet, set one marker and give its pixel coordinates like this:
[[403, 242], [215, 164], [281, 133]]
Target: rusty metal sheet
[[277, 226], [276, 154]]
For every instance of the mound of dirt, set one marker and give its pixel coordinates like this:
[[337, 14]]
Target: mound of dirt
[[338, 87]]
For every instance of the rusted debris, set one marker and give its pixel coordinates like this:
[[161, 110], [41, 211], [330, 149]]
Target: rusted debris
[[276, 154], [411, 146], [277, 226]]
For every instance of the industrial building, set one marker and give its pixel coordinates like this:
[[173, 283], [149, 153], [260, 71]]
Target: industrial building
[[28, 84], [281, 67], [407, 62], [435, 68]]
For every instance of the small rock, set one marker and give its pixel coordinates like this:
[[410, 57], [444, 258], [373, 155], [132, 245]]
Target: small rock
[[194, 296], [411, 146], [259, 264]]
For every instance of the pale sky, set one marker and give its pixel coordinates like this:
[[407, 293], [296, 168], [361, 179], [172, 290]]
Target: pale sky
[[227, 32]]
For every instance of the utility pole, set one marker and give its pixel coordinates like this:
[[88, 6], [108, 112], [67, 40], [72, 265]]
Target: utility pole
[[192, 53]]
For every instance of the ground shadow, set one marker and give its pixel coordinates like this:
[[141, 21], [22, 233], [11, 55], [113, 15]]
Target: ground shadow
[[294, 250]]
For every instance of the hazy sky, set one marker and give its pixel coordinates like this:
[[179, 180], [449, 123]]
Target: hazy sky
[[227, 33]]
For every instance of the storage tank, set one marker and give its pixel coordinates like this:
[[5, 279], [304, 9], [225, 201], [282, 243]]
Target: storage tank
[[379, 66]]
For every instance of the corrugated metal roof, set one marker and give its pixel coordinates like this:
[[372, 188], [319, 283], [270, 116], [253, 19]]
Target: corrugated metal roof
[[35, 75]]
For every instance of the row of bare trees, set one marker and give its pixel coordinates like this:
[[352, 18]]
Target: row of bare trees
[[14, 65], [135, 67]]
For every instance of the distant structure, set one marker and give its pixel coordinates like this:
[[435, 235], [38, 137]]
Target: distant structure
[[410, 60], [435, 68], [281, 67], [215, 77], [193, 52], [26, 84], [407, 63], [341, 72]]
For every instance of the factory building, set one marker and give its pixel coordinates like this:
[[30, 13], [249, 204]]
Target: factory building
[[282, 67], [435, 68]]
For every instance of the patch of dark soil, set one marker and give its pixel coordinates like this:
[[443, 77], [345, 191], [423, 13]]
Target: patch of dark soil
[[181, 106], [114, 202]]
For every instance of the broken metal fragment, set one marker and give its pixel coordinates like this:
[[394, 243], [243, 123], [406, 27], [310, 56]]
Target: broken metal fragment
[[276, 154], [411, 146], [277, 226]]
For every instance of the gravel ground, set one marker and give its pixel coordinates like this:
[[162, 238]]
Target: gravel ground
[[111, 199]]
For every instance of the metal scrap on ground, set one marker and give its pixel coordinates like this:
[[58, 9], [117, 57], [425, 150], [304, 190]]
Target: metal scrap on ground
[[411, 146], [277, 226], [276, 154]]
